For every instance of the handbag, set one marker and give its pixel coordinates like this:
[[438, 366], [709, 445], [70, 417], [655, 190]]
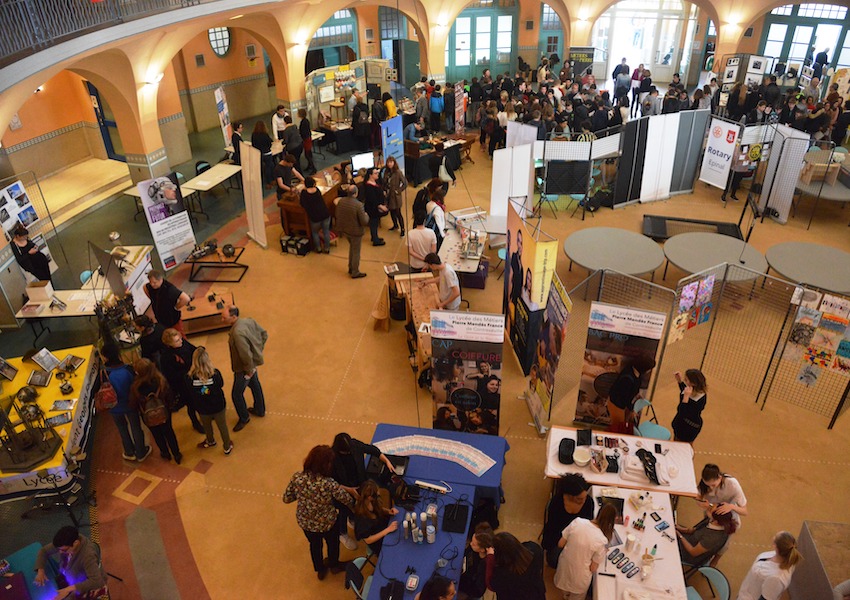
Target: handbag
[[105, 398], [443, 173]]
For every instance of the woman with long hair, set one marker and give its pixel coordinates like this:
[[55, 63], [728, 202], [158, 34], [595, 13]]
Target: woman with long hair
[[721, 493], [585, 545], [571, 500], [514, 569], [771, 572], [29, 257], [437, 587], [389, 105], [372, 521], [262, 141], [126, 418], [176, 360], [306, 133], [473, 584], [315, 491], [706, 539], [395, 183], [692, 399], [206, 386], [148, 390]]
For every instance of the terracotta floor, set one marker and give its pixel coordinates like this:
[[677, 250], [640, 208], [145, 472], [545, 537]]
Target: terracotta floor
[[226, 531]]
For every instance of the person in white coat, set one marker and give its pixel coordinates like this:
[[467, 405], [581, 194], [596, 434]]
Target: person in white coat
[[771, 572], [584, 544]]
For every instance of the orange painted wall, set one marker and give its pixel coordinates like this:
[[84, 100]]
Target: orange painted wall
[[217, 69], [63, 101], [367, 18], [529, 11], [750, 45], [167, 97]]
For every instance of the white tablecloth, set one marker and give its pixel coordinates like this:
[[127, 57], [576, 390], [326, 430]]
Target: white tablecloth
[[679, 463]]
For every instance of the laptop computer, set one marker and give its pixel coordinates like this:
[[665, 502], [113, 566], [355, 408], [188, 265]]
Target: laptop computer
[[377, 469]]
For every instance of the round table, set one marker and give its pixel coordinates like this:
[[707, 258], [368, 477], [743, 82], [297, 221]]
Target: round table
[[820, 266], [616, 249], [698, 251]]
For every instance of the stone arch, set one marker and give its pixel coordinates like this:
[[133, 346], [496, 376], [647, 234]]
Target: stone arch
[[705, 5], [414, 12], [563, 13]]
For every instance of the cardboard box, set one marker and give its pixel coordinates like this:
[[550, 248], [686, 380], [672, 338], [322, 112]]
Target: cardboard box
[[40, 291]]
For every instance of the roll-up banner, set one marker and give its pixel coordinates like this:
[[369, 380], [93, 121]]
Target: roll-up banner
[[616, 337], [717, 159], [392, 140], [223, 115], [168, 219], [466, 379]]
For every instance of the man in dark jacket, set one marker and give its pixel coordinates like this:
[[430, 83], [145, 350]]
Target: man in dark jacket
[[771, 93], [351, 219], [360, 124]]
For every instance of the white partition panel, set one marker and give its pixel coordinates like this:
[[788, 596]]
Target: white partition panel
[[513, 179], [606, 147], [783, 170], [501, 181], [522, 180], [659, 157], [520, 134]]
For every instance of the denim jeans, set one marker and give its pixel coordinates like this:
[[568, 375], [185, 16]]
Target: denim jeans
[[238, 395], [325, 226], [130, 429]]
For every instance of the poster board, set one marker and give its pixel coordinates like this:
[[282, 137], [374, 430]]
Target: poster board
[[326, 93], [819, 339], [392, 140], [223, 115], [717, 160], [616, 336], [252, 187], [168, 219], [16, 208], [466, 373]]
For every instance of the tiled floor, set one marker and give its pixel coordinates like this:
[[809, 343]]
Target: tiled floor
[[327, 371]]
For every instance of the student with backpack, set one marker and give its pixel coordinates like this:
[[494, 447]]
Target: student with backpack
[[436, 104], [360, 125], [151, 397], [126, 418], [435, 219]]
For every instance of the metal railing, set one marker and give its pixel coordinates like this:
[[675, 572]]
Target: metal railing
[[32, 25]]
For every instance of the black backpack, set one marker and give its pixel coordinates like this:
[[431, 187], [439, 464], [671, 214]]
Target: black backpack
[[379, 113]]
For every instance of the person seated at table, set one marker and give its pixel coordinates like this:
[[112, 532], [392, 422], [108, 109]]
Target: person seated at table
[[473, 584], [771, 572], [699, 543], [343, 173], [81, 573], [412, 131], [447, 281], [585, 542], [571, 500], [437, 588], [721, 490], [372, 521], [514, 569]]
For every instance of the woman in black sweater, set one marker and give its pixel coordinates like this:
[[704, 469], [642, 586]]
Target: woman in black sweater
[[473, 579], [375, 204], [514, 569], [176, 360], [307, 139], [317, 211], [206, 388], [692, 399], [262, 141]]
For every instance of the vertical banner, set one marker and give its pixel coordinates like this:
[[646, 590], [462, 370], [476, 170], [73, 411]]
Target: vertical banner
[[16, 208], [460, 108], [466, 370], [616, 337], [223, 115], [252, 191], [168, 219], [392, 140], [717, 159], [529, 266], [541, 383]]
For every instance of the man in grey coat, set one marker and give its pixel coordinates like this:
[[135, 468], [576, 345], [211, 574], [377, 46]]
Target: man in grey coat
[[351, 218], [246, 341]]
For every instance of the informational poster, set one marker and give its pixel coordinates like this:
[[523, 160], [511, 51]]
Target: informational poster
[[392, 140], [460, 108], [466, 371], [168, 219], [223, 115], [541, 383], [695, 307], [530, 261], [16, 208], [819, 339], [717, 159], [580, 58], [616, 336]]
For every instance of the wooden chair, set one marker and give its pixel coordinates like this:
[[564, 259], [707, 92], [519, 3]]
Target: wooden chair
[[294, 219]]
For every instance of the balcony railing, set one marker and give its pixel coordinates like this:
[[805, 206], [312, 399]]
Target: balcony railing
[[32, 25]]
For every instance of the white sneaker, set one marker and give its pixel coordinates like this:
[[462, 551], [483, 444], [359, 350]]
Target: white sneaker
[[348, 542]]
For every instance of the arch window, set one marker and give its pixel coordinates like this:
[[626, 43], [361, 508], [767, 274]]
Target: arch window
[[219, 40], [392, 23], [339, 30], [796, 32], [551, 32]]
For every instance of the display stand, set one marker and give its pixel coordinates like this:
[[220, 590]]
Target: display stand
[[252, 186]]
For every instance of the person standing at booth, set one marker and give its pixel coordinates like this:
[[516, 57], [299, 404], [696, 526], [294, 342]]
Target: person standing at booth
[[166, 300], [351, 219], [246, 340], [692, 398], [375, 204]]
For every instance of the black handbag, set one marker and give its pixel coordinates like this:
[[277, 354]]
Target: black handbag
[[565, 451]]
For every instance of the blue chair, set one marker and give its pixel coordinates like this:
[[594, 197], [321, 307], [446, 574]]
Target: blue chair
[[841, 150], [650, 429], [84, 277], [692, 594], [354, 578], [502, 253], [717, 582]]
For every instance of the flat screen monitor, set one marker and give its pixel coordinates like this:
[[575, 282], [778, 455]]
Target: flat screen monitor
[[362, 161]]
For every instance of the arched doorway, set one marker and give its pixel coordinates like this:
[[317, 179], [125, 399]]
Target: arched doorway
[[648, 32], [483, 37]]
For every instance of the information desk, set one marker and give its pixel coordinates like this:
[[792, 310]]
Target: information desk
[[620, 250], [74, 435], [665, 578], [22, 563], [817, 265], [218, 263], [679, 460], [398, 554], [435, 469], [695, 252]]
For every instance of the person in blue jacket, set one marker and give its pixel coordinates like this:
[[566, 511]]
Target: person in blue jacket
[[126, 418]]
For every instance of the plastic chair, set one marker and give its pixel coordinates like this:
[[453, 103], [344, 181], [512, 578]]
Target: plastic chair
[[841, 150], [717, 582], [202, 166], [354, 578], [502, 253], [85, 276], [692, 593], [650, 429]]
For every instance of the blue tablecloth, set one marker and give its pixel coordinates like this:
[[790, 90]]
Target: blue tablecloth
[[24, 561], [435, 469], [397, 553]]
